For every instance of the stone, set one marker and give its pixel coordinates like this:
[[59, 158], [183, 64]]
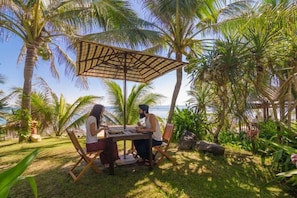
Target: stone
[[187, 141], [213, 148], [35, 138]]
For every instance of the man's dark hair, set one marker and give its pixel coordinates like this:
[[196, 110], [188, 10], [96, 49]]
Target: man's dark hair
[[144, 107]]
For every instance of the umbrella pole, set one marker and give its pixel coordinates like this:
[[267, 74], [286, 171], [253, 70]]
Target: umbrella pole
[[125, 100]]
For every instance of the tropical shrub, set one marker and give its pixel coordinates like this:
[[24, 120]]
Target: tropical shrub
[[279, 141], [240, 140], [282, 165], [268, 129], [187, 119], [19, 116]]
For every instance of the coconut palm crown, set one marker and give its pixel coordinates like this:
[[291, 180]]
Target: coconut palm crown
[[46, 26]]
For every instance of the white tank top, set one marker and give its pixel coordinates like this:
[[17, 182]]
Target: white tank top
[[90, 138], [157, 135]]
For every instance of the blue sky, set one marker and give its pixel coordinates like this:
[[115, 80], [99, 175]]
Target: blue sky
[[13, 73]]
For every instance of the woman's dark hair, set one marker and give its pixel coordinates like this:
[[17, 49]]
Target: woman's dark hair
[[96, 112]]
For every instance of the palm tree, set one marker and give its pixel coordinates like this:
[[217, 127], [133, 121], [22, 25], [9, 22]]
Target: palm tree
[[139, 95], [56, 113], [2, 102], [52, 112], [46, 26], [180, 23], [262, 51], [270, 35], [42, 110], [222, 70], [71, 115]]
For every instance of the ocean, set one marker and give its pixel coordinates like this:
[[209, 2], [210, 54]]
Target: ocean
[[6, 110], [160, 110], [163, 110]]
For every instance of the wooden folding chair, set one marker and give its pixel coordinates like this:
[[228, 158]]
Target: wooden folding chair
[[88, 157], [162, 149]]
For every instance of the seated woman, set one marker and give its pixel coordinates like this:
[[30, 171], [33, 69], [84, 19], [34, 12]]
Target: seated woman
[[93, 127]]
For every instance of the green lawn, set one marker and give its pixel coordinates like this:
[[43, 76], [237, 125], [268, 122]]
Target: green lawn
[[237, 174]]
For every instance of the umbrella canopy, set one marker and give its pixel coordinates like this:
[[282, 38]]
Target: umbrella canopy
[[98, 60]]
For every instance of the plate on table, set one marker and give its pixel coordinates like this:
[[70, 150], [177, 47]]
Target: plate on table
[[115, 132]]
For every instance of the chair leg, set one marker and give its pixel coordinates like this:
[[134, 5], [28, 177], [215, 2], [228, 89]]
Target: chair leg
[[71, 172], [90, 164], [92, 160], [95, 168], [168, 157], [164, 154]]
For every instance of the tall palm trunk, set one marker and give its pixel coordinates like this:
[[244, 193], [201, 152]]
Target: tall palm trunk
[[222, 93], [179, 78], [31, 58], [289, 106]]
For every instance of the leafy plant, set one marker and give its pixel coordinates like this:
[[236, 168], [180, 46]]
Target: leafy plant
[[10, 177], [240, 139], [268, 129], [291, 174], [186, 119], [140, 94], [23, 116]]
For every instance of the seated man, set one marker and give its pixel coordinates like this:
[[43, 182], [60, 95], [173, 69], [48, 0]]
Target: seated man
[[151, 125]]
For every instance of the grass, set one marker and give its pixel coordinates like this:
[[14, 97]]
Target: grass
[[236, 174]]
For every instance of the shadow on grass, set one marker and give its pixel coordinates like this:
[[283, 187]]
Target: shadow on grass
[[6, 144], [196, 175], [13, 152]]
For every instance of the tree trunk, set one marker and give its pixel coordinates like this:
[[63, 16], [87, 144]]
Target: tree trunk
[[290, 109], [31, 58], [179, 78], [222, 114]]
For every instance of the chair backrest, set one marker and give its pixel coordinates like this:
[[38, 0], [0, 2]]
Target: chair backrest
[[75, 142], [168, 131]]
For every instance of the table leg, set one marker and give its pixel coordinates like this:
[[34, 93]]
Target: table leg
[[150, 152], [125, 149], [111, 157]]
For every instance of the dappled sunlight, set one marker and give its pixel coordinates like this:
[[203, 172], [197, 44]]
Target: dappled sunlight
[[142, 186], [196, 174], [142, 182], [68, 165], [153, 187], [40, 166], [167, 189]]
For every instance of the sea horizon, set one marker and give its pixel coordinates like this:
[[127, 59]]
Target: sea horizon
[[159, 110]]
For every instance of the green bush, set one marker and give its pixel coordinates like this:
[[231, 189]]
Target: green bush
[[268, 129], [239, 140], [187, 119]]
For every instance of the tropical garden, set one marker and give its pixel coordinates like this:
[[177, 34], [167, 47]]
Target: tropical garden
[[240, 53]]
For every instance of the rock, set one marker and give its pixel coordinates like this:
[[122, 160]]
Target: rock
[[187, 141], [35, 138], [210, 147]]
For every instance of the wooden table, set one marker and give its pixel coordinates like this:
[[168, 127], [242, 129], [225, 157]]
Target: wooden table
[[128, 134]]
